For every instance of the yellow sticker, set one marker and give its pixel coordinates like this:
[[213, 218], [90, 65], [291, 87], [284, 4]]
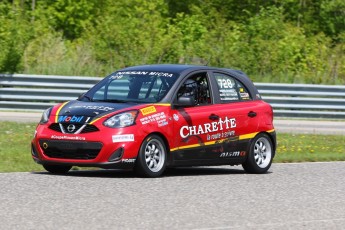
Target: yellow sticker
[[148, 110]]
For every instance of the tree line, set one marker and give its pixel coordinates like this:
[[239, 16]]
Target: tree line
[[290, 41]]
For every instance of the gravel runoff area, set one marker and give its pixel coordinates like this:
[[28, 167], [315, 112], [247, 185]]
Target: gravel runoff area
[[311, 126]]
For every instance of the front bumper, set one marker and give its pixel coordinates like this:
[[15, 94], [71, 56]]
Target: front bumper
[[116, 161], [96, 149], [82, 150]]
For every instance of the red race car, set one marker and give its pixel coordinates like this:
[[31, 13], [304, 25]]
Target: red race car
[[151, 117]]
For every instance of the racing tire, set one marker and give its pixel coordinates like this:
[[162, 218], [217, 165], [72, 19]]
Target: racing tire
[[260, 155], [152, 157], [57, 169]]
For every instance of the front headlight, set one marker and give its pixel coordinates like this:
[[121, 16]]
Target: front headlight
[[45, 116], [122, 119]]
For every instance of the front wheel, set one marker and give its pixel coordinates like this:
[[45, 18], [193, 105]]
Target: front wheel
[[260, 155], [57, 169], [151, 161]]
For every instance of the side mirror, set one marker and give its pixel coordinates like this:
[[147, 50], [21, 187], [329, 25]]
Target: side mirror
[[185, 101]]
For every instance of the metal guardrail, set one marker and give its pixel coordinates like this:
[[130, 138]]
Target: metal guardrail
[[38, 92], [305, 100]]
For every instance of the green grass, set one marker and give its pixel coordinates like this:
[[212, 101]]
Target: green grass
[[311, 148], [15, 147], [15, 150]]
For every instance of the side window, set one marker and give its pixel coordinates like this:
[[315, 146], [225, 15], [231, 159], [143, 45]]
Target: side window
[[243, 92], [231, 90], [196, 87]]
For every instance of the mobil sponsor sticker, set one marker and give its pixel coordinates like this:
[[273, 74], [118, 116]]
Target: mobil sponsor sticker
[[73, 119]]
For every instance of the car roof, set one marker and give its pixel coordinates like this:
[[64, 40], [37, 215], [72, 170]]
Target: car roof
[[178, 68], [183, 70], [172, 68]]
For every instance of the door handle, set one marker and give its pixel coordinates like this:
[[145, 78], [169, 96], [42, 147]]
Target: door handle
[[213, 117], [252, 114]]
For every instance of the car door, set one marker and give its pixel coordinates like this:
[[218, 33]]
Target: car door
[[235, 103], [198, 129], [201, 129]]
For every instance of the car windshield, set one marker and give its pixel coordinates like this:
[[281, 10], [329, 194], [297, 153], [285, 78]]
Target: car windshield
[[133, 86]]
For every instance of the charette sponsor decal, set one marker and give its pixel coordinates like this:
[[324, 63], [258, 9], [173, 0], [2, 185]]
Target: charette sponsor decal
[[220, 125], [123, 138]]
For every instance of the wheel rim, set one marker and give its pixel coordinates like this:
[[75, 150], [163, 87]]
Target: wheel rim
[[262, 152], [154, 155]]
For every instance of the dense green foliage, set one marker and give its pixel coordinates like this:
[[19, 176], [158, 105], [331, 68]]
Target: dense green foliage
[[294, 41]]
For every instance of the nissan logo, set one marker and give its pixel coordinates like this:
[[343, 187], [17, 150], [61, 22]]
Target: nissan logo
[[71, 128]]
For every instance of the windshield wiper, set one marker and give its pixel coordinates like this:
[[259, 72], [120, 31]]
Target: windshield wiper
[[82, 96]]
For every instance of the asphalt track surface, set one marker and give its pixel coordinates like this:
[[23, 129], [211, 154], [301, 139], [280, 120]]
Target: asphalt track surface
[[281, 125], [290, 196]]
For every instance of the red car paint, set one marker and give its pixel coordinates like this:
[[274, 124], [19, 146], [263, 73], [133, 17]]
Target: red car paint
[[214, 132]]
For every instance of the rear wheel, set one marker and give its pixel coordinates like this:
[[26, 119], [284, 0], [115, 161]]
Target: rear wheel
[[151, 161], [57, 169], [260, 155]]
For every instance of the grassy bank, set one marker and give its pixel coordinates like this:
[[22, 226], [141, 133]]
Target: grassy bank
[[15, 151], [311, 148], [16, 157]]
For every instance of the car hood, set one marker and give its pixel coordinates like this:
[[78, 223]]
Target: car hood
[[78, 111]]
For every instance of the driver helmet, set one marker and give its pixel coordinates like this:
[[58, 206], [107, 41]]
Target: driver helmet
[[190, 88]]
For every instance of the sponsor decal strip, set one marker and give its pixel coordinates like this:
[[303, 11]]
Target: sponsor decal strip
[[197, 145], [65, 137], [241, 137], [105, 115], [163, 104], [58, 111], [271, 131], [97, 119], [123, 138], [150, 107], [148, 110], [247, 136]]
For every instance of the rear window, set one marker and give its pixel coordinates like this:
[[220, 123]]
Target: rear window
[[230, 89]]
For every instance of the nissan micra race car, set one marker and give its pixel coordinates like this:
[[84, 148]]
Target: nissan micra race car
[[151, 117]]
